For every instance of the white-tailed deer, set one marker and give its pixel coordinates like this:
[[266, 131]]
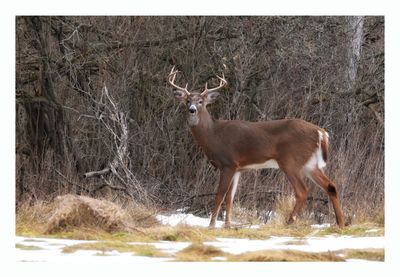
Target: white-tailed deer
[[297, 147]]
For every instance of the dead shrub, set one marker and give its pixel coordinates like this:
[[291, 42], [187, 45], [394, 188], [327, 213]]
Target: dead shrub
[[74, 211]]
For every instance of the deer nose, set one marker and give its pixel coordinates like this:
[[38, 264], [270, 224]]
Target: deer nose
[[192, 109]]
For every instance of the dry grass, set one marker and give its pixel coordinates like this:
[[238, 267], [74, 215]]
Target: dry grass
[[81, 217], [107, 246], [241, 214], [33, 221], [84, 218], [74, 211], [377, 216], [199, 252], [200, 234], [365, 254], [362, 229], [283, 208], [286, 256], [27, 247]]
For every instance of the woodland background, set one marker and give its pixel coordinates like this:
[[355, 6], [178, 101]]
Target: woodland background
[[95, 114]]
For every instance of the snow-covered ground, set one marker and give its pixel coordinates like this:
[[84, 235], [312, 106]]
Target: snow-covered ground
[[191, 220], [312, 244], [188, 219], [47, 249], [50, 250]]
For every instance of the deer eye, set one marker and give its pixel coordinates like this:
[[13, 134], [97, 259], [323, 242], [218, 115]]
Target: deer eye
[[188, 101]]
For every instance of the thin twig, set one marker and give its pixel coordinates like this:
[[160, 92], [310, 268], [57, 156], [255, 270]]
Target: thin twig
[[70, 182]]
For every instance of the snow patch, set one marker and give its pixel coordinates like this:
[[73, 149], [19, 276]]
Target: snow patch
[[312, 244], [51, 251], [321, 226], [219, 259], [187, 219], [170, 246], [372, 231], [192, 220]]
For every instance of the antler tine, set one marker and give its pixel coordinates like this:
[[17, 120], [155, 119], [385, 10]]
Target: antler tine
[[172, 71], [171, 80], [222, 83]]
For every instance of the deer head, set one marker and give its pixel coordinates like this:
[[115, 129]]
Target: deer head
[[195, 101]]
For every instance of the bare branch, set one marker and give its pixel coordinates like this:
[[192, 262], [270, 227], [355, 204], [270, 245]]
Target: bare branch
[[96, 173], [116, 124]]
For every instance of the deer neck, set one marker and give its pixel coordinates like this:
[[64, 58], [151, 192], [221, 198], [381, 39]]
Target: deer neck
[[202, 132]]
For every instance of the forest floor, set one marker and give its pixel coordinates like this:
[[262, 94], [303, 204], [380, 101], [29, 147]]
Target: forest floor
[[185, 237]]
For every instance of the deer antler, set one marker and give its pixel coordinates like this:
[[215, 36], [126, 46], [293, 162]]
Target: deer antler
[[171, 80], [222, 83]]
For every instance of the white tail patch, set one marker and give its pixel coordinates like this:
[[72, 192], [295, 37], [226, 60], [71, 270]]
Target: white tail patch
[[320, 137], [316, 160]]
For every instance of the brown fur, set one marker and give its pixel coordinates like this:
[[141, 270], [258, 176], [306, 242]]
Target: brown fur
[[237, 144]]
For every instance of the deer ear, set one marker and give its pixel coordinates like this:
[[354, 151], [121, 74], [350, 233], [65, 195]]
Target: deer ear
[[212, 96], [180, 95]]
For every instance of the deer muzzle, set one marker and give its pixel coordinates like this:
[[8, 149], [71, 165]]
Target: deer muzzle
[[192, 109]]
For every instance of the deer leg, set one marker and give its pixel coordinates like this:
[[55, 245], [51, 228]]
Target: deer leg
[[319, 177], [225, 180], [229, 199], [301, 192]]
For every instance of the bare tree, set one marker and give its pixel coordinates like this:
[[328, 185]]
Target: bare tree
[[356, 24], [115, 123]]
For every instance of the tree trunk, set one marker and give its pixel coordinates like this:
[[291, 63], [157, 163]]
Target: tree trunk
[[46, 121], [356, 24]]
